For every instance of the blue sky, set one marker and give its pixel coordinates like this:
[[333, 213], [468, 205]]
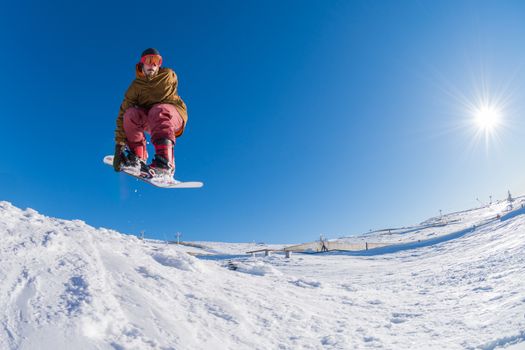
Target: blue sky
[[305, 117]]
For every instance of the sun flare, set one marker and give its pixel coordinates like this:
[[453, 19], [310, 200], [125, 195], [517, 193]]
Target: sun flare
[[485, 111], [487, 118]]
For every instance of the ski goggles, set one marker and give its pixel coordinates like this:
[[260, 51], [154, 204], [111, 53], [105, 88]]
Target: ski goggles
[[151, 60]]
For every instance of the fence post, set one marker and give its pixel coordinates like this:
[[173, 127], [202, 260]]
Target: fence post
[[366, 245]]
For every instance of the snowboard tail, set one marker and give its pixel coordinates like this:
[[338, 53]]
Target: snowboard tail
[[162, 182]]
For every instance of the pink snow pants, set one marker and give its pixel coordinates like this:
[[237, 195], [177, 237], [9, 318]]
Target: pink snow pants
[[162, 121]]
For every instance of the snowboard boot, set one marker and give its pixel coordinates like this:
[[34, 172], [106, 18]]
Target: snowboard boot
[[135, 160], [163, 165]]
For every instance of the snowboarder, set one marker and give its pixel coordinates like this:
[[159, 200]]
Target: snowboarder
[[151, 104]]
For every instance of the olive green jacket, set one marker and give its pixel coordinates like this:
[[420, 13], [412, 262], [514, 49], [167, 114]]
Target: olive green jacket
[[145, 93]]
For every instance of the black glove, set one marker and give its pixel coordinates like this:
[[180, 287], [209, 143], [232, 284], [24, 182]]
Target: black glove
[[119, 157]]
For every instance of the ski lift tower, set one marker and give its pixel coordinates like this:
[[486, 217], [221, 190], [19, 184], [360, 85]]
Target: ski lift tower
[[324, 248], [178, 237]]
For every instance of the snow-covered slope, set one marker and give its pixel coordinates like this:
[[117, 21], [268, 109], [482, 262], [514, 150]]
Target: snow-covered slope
[[442, 225], [66, 285]]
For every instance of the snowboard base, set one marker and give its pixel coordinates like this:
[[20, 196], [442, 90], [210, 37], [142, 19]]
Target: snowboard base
[[158, 182]]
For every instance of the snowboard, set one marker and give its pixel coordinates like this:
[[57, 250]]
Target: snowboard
[[158, 182]]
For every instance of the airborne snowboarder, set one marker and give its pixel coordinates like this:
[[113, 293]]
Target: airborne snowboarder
[[152, 105]]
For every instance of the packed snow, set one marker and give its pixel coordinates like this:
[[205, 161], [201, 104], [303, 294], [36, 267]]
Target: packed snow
[[452, 282]]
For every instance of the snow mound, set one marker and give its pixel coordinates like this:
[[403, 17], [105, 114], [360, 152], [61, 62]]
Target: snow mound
[[180, 261], [67, 285], [254, 267]]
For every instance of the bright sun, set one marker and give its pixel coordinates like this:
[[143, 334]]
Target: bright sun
[[487, 117]]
